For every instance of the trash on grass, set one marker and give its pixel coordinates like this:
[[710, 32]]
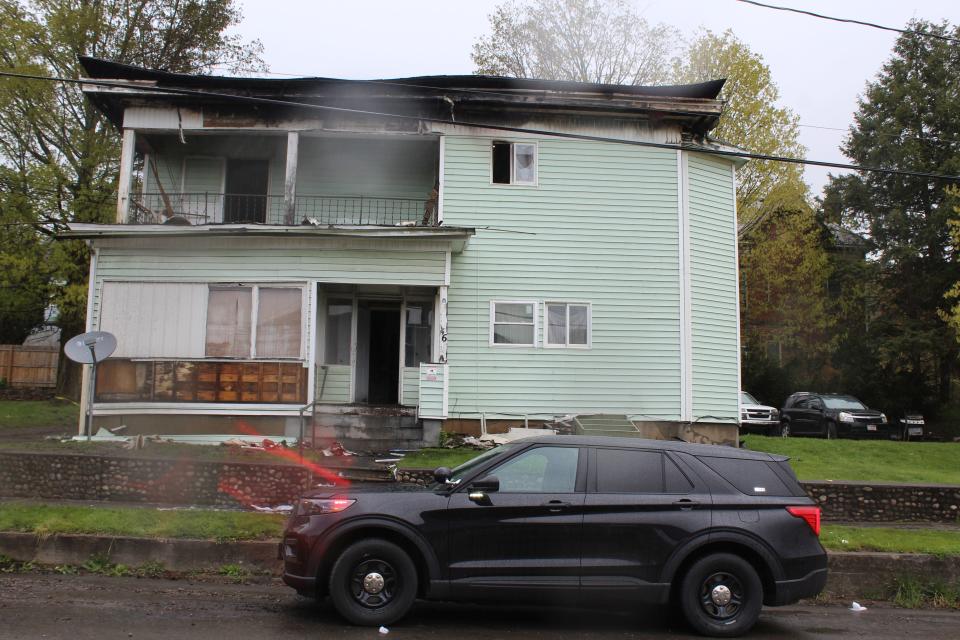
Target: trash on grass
[[384, 631], [280, 508], [857, 607]]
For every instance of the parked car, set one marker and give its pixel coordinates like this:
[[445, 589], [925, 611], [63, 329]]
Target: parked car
[[832, 415], [756, 417], [719, 531]]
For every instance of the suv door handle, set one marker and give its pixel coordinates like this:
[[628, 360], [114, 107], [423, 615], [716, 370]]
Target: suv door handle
[[686, 504], [555, 506]]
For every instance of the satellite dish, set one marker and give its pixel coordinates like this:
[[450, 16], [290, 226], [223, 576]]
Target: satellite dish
[[90, 347]]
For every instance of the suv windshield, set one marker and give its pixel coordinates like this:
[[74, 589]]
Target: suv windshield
[[842, 402], [468, 467], [746, 398]]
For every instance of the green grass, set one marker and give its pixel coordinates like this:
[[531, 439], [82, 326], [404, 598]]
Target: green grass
[[433, 458], [38, 413], [873, 460], [145, 523], [937, 542]]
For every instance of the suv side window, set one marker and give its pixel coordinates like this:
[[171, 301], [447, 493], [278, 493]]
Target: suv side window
[[802, 404], [629, 471], [540, 470], [816, 404]]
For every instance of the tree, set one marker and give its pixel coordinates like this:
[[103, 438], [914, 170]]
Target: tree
[[909, 118], [62, 148], [601, 41]]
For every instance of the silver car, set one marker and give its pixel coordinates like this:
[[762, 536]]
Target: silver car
[[756, 417]]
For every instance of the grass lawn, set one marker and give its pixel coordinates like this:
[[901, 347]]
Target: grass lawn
[[145, 523], [875, 460], [894, 540], [38, 413], [433, 458]]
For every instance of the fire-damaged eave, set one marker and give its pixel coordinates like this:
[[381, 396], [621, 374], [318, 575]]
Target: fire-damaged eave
[[695, 107]]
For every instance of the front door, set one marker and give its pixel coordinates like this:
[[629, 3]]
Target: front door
[[384, 356], [524, 542]]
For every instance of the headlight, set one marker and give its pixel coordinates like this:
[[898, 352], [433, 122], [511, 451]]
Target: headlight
[[883, 417], [320, 506], [845, 417], [774, 414]]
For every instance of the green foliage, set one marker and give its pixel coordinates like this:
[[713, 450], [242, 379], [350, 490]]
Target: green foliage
[[430, 458], [873, 460], [152, 569], [907, 119], [911, 593], [938, 542], [237, 572], [58, 154], [38, 413], [604, 41], [144, 523]]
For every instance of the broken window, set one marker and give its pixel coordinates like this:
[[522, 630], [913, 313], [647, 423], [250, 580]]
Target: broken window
[[279, 322], [568, 324], [418, 334], [513, 323], [337, 332], [514, 163]]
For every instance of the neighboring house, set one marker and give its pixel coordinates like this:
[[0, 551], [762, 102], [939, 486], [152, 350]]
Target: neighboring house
[[398, 272]]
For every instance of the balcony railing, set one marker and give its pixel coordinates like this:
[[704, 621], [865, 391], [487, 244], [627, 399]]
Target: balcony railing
[[226, 208]]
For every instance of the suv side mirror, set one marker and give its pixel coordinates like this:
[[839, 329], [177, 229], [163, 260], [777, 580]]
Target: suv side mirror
[[441, 474], [480, 488]]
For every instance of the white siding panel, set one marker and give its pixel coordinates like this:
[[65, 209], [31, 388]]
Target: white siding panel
[[155, 319]]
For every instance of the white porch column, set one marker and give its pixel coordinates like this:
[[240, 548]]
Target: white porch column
[[290, 181], [127, 151], [441, 317]]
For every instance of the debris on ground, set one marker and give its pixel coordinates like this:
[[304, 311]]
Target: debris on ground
[[281, 508], [384, 631], [857, 607]]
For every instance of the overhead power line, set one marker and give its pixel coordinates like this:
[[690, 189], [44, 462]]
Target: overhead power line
[[747, 155], [852, 21]]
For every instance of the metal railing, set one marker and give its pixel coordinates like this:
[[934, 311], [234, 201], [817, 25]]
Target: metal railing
[[225, 208]]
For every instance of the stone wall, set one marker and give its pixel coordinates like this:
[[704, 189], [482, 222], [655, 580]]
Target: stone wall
[[80, 477], [884, 502]]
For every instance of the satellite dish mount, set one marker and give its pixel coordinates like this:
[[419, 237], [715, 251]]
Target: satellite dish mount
[[90, 348]]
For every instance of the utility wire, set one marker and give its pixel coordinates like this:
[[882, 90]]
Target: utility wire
[[852, 21], [482, 125]]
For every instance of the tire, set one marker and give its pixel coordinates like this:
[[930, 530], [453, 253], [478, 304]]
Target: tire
[[365, 599], [708, 582], [830, 433], [784, 429]]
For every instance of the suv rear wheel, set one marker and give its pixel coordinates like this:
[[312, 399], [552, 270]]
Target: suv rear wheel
[[721, 595], [373, 582]]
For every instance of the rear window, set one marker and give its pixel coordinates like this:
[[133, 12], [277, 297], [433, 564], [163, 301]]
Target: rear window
[[752, 477]]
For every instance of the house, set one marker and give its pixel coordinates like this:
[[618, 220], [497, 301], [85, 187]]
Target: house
[[489, 251]]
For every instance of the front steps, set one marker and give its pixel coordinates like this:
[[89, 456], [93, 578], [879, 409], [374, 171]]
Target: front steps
[[363, 428]]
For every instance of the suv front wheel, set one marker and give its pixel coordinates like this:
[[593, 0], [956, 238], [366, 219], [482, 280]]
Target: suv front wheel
[[373, 582], [784, 430], [721, 595]]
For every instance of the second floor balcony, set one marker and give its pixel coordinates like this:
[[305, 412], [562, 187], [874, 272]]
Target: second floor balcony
[[280, 178]]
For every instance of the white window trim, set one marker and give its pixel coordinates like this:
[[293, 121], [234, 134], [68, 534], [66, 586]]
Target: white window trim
[[255, 311], [513, 164], [536, 308], [546, 325]]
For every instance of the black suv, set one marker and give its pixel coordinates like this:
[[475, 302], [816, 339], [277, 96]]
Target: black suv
[[832, 415], [717, 530]]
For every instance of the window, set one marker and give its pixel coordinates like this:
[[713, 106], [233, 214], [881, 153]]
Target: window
[[418, 335], [629, 471], [567, 324], [236, 328], [337, 332], [514, 163], [752, 477], [513, 323], [540, 470]]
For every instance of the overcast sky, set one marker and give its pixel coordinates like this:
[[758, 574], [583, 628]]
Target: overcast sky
[[820, 66]]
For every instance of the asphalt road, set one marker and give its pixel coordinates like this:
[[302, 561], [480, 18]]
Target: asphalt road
[[82, 607]]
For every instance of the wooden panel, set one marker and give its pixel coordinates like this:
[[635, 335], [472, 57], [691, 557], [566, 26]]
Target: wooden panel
[[121, 380], [22, 366]]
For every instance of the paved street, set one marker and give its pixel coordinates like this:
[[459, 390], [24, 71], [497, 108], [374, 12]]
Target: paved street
[[82, 607]]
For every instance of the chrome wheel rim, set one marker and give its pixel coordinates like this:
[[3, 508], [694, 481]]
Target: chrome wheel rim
[[373, 583], [721, 596]]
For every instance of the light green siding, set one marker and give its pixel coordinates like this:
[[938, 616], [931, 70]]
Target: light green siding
[[333, 383], [713, 288], [601, 227], [432, 380], [411, 386]]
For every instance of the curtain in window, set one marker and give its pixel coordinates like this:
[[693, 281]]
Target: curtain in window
[[279, 323], [228, 322]]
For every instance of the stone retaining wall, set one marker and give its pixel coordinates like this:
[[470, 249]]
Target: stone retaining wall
[[884, 502]]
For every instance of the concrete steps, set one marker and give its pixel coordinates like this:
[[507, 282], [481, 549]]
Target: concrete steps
[[368, 430]]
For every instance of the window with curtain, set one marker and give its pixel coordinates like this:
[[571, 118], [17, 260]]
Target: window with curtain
[[513, 323], [279, 323], [231, 318], [568, 324], [229, 322]]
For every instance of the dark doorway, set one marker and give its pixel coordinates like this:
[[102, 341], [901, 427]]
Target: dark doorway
[[384, 356], [246, 191]]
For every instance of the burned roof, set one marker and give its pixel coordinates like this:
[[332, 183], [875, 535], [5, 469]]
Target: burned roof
[[697, 104]]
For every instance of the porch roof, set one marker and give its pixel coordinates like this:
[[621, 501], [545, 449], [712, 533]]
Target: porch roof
[[457, 236]]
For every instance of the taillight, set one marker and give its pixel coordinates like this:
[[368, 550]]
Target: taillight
[[319, 506], [811, 515]]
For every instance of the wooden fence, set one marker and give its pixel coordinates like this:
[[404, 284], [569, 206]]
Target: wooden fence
[[28, 366]]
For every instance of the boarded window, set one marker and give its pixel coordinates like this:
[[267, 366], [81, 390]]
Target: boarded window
[[154, 319], [337, 332], [279, 323], [228, 322]]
